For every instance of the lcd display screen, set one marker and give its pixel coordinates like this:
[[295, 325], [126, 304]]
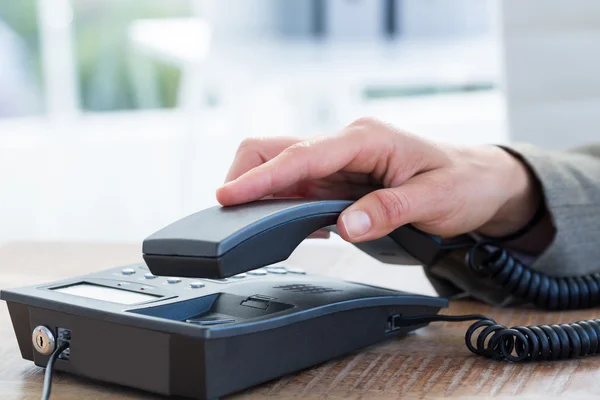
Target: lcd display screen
[[106, 293]]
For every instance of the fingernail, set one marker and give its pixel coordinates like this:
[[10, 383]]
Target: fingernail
[[357, 223]]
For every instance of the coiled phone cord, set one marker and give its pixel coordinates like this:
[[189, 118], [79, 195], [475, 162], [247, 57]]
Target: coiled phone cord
[[529, 343]]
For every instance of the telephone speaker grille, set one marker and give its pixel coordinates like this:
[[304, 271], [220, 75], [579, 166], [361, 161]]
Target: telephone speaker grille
[[306, 289]]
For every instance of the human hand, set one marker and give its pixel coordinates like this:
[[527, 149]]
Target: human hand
[[396, 177]]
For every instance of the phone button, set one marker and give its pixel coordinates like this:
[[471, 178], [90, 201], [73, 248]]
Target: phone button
[[257, 272], [278, 271], [295, 270], [128, 271]]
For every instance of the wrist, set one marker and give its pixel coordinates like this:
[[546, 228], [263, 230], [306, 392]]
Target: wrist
[[522, 196]]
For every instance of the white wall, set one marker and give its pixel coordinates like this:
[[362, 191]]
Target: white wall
[[105, 179], [552, 70]]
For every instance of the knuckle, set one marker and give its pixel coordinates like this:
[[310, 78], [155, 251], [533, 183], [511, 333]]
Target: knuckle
[[248, 145], [365, 122], [362, 127], [299, 156], [370, 127], [393, 205], [297, 148]]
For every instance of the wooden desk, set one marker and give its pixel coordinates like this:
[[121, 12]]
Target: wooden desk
[[432, 363]]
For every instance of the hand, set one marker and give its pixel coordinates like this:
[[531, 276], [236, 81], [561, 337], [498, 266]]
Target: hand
[[397, 178]]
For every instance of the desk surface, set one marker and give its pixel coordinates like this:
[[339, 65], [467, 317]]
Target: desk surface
[[432, 363]]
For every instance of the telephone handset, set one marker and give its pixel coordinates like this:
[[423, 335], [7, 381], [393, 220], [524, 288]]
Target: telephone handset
[[223, 241], [220, 242]]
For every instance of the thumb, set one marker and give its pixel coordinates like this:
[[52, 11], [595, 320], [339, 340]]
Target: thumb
[[382, 211]]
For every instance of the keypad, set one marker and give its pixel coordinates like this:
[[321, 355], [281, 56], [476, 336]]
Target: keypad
[[201, 283]]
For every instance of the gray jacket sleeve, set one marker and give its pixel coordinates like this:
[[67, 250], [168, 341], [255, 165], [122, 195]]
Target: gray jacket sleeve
[[571, 186]]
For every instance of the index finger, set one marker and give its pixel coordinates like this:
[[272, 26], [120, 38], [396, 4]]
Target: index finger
[[253, 152]]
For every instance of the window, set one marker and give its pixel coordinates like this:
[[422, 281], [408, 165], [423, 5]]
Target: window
[[20, 70], [110, 74]]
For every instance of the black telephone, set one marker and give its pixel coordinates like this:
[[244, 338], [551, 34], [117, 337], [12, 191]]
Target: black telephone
[[209, 302], [223, 241]]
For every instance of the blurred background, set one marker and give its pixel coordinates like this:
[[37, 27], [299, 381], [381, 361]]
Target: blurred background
[[120, 116]]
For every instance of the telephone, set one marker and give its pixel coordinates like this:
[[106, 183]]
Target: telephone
[[211, 311], [191, 248]]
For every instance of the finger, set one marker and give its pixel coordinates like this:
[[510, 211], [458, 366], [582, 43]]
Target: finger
[[335, 191], [336, 186], [287, 169], [423, 199], [359, 149], [253, 152]]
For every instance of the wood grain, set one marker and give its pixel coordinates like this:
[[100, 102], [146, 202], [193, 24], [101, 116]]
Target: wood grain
[[433, 363]]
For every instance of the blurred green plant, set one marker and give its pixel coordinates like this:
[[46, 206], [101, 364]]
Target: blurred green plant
[[106, 65], [21, 16]]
